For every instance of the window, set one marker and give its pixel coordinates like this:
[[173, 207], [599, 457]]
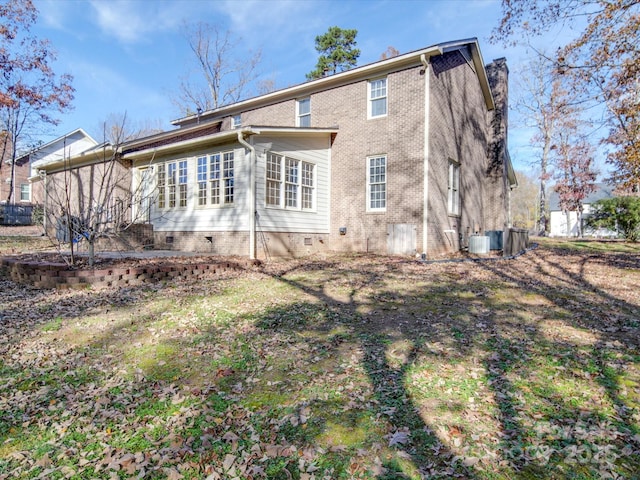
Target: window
[[202, 180], [162, 183], [453, 188], [236, 121], [182, 183], [25, 192], [171, 184], [289, 183], [274, 179], [215, 179], [227, 177], [378, 98], [377, 183], [304, 112]]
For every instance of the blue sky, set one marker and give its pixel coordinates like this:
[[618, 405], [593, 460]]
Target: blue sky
[[128, 55]]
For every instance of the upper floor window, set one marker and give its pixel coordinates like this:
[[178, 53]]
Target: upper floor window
[[236, 121], [289, 183], [303, 118], [453, 188], [25, 192], [215, 179], [377, 183], [377, 98]]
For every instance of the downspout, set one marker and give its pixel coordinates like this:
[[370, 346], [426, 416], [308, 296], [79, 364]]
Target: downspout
[[424, 59], [252, 195], [43, 175]]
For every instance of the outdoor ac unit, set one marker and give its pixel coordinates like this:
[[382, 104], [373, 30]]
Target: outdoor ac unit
[[479, 244]]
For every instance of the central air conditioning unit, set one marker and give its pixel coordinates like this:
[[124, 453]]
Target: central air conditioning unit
[[479, 244]]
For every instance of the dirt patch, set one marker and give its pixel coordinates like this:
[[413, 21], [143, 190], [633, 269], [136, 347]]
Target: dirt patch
[[21, 231]]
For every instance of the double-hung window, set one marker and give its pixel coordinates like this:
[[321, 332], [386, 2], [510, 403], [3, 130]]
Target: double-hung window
[[303, 118], [162, 184], [215, 179], [377, 183], [453, 188], [227, 176], [289, 183], [182, 183], [377, 98], [236, 121], [202, 180], [25, 192], [171, 184]]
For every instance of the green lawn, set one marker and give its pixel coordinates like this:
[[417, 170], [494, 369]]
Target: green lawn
[[333, 368]]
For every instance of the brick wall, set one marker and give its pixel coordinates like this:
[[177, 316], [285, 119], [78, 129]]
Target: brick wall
[[268, 244], [58, 275], [497, 193], [458, 132]]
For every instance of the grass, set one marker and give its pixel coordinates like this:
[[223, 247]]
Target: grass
[[339, 368]]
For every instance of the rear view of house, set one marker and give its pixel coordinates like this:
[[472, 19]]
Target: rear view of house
[[406, 156]]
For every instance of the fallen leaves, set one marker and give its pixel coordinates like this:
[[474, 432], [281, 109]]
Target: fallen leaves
[[284, 378]]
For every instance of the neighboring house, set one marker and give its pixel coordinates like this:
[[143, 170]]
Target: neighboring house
[[565, 224], [52, 153], [21, 174], [407, 156]]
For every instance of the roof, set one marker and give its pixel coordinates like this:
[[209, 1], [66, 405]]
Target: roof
[[603, 190], [59, 139], [381, 67]]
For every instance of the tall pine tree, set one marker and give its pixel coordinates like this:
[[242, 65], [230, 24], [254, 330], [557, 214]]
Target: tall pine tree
[[337, 52]]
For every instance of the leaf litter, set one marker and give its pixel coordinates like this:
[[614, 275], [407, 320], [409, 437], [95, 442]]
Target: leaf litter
[[335, 367]]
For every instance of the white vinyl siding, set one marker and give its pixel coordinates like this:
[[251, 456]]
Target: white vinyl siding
[[453, 188], [377, 183], [312, 212], [377, 98], [214, 186]]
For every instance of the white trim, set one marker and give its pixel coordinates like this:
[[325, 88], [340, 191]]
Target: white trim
[[369, 208], [425, 174], [370, 100], [299, 116]]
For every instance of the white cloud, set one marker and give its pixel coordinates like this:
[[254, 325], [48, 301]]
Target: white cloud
[[131, 21]]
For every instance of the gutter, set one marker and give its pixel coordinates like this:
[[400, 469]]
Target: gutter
[[252, 194]]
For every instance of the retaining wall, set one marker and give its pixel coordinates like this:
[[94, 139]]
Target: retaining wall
[[61, 276]]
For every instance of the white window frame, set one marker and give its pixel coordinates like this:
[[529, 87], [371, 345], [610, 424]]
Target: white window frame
[[453, 188], [25, 188], [377, 178], [215, 179], [303, 118], [183, 183], [375, 93], [236, 121], [290, 183]]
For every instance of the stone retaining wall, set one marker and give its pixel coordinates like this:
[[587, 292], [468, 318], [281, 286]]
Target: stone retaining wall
[[59, 275]]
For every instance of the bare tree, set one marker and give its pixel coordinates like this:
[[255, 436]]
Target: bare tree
[[99, 197], [602, 61], [30, 91], [224, 73], [524, 199], [575, 173], [539, 104], [390, 52]]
